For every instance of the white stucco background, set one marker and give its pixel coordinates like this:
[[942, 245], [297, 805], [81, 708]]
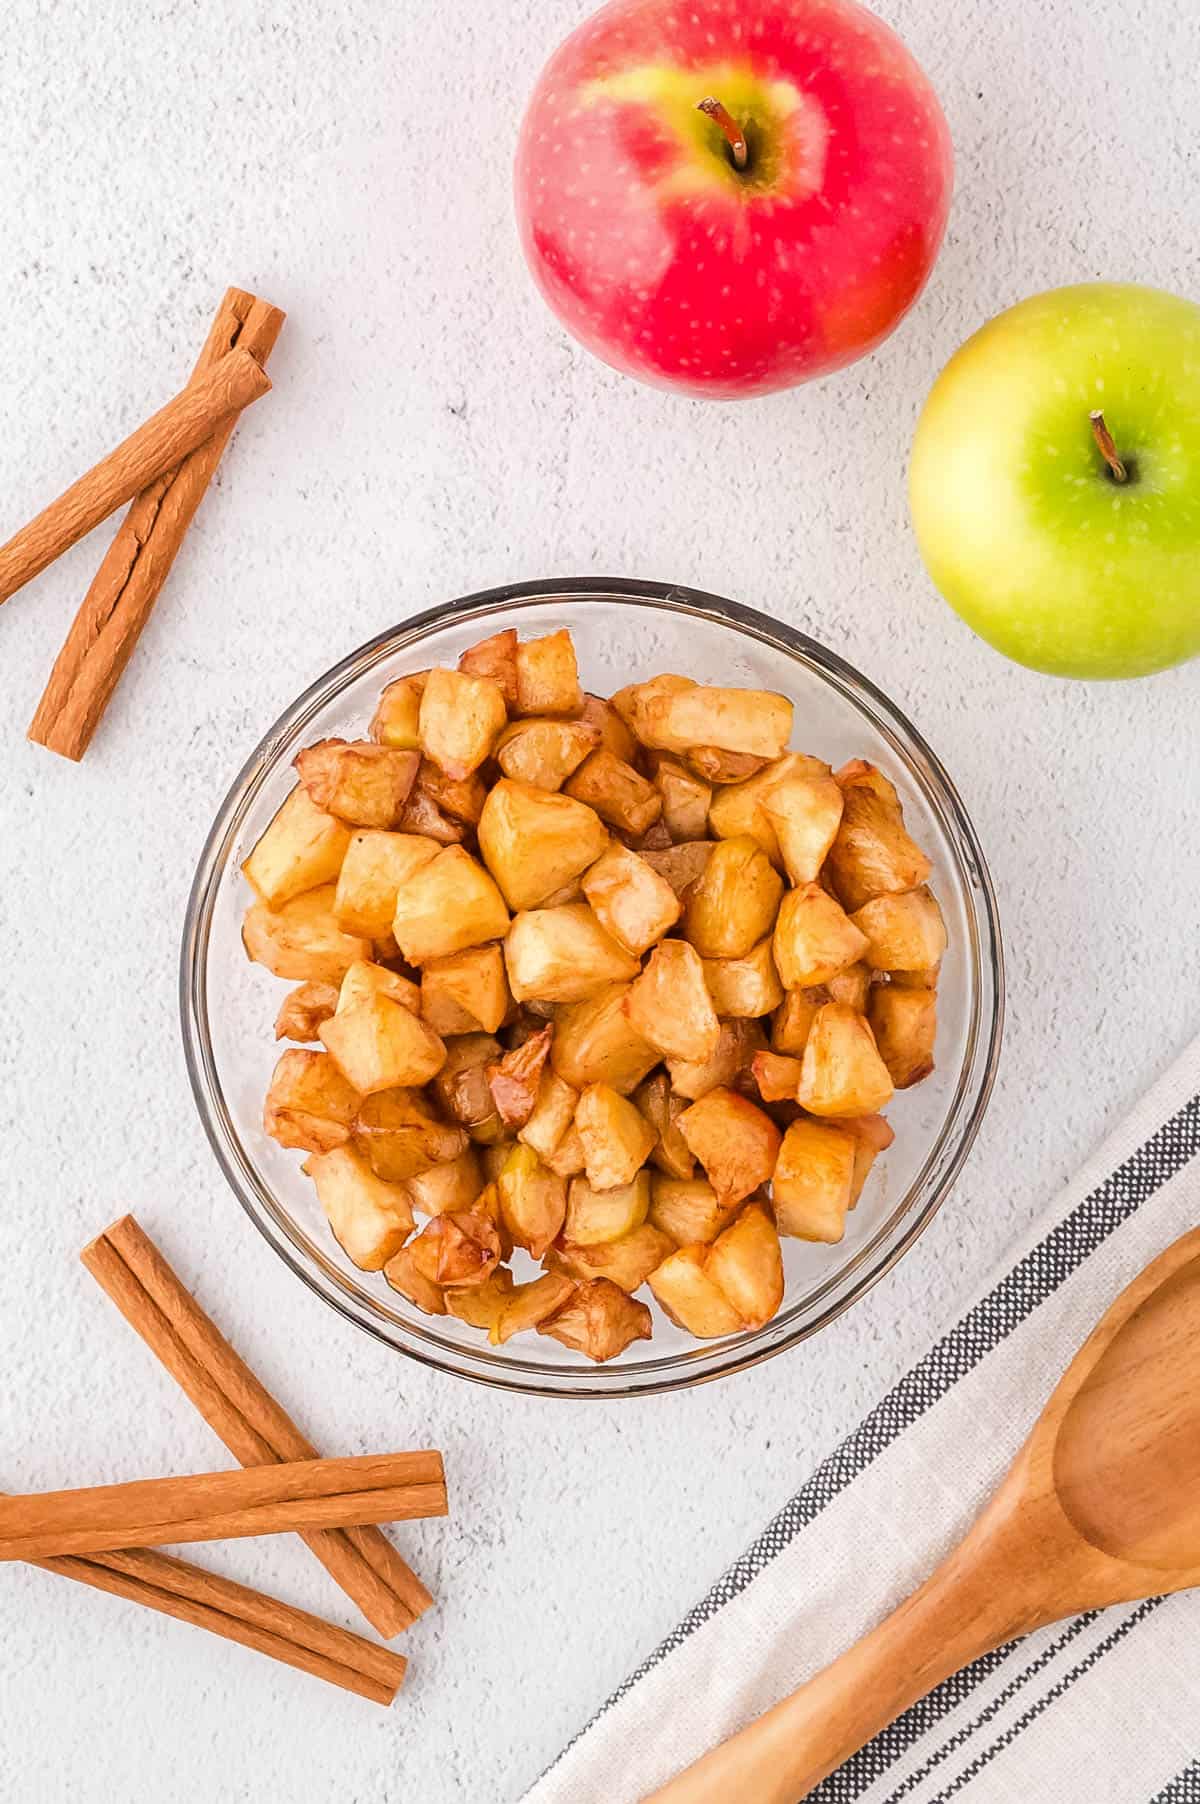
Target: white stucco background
[[432, 431]]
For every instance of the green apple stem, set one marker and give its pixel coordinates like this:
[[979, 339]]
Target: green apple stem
[[729, 125], [1107, 445]]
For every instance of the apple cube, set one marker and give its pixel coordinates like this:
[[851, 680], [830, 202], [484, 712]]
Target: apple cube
[[745, 988], [752, 721], [515, 1079], [567, 1160], [309, 1103], [805, 810], [465, 992], [404, 1276], [303, 1010], [533, 841], [401, 1135], [685, 800], [662, 1108], [462, 1090], [373, 870], [617, 792], [533, 1200], [396, 722], [777, 1076], [718, 767], [370, 1219], [599, 1321], [904, 933], [793, 1019], [630, 703], [365, 980], [857, 773], [461, 718], [669, 1005], [738, 1043], [496, 659], [447, 905], [380, 1045], [871, 1136], [544, 753], [563, 955], [691, 1298], [733, 903], [424, 816], [904, 1023], [617, 1140], [681, 866], [687, 1209], [745, 1262], [813, 1181], [627, 1261], [363, 784], [594, 1043], [873, 854], [457, 1248], [481, 1305], [553, 1112], [734, 1141], [460, 798], [301, 849], [851, 986], [843, 1073], [443, 1189], [813, 938], [548, 676], [596, 1216], [631, 901], [740, 809], [302, 941], [611, 731], [530, 1304]]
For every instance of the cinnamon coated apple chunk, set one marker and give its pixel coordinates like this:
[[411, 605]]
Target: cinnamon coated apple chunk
[[602, 996]]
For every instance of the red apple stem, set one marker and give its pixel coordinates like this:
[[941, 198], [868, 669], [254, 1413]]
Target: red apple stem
[[733, 132], [1107, 445]]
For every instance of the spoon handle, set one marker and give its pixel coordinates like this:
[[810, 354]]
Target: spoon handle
[[971, 1604]]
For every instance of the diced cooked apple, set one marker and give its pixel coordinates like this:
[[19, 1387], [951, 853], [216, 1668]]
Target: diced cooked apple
[[857, 773], [301, 849], [843, 1073], [461, 798], [685, 800], [515, 1079], [533, 842], [309, 1104], [567, 1160], [403, 1275], [424, 816], [813, 1179], [370, 1219], [627, 1261], [363, 784], [631, 901], [563, 955], [461, 718], [533, 1200], [303, 1010], [396, 719], [599, 1321], [617, 1140], [548, 676], [904, 1023], [740, 809], [631, 701], [777, 1076], [871, 1135], [457, 1248], [813, 938], [455, 1184], [401, 1135], [873, 854], [687, 1209], [904, 933], [852, 986], [736, 1144], [793, 1019], [611, 731], [669, 1006], [595, 1044], [616, 791], [544, 753], [752, 721], [381, 1045], [530, 1304], [364, 980], [739, 1042], [805, 809], [916, 980], [718, 767], [746, 987], [596, 1216], [553, 1113], [746, 1264], [691, 1298], [660, 1106], [447, 905], [681, 866], [496, 659], [734, 901], [302, 940], [375, 866], [481, 1305]]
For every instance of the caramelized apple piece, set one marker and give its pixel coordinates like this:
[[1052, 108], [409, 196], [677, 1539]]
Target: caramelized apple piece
[[734, 1141], [533, 1200], [739, 1042], [691, 1298], [617, 792], [669, 1006], [375, 866], [611, 731], [662, 1109], [596, 1216], [851, 986], [681, 866], [733, 903], [630, 702], [309, 1103], [544, 753], [370, 1219], [718, 767], [813, 1180], [396, 720], [871, 1136], [594, 1043], [599, 1321], [496, 659], [617, 1140], [363, 784], [302, 940], [461, 798], [481, 1305], [843, 1073], [746, 987], [740, 809], [514, 1080], [687, 1209], [873, 854], [530, 1304], [548, 676], [904, 933], [461, 718], [745, 1262], [904, 1023], [380, 1045], [567, 1160], [364, 980], [533, 842], [627, 1261], [777, 1076], [631, 901], [401, 1136], [552, 1115], [455, 1184], [793, 1019], [458, 1248], [465, 992], [563, 955], [858, 773], [303, 1010], [403, 1275], [805, 810], [685, 800], [462, 1089], [449, 904], [424, 816], [752, 721], [813, 938], [302, 848]]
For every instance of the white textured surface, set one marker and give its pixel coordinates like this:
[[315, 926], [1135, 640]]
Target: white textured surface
[[432, 432]]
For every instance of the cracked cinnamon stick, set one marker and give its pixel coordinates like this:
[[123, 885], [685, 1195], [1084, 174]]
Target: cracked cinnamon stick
[[121, 598], [243, 1413]]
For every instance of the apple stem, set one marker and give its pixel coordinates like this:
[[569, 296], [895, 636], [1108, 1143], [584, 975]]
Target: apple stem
[[729, 125], [1108, 448]]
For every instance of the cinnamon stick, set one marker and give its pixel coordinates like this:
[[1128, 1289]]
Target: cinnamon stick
[[190, 1594], [220, 1506], [243, 1413], [127, 585], [163, 441]]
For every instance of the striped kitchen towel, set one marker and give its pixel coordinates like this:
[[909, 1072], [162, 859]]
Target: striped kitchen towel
[[1104, 1709]]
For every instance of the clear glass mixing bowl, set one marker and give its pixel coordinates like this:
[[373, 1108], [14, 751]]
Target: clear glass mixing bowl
[[623, 631]]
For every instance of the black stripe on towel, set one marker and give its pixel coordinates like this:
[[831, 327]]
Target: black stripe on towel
[[1183, 1790]]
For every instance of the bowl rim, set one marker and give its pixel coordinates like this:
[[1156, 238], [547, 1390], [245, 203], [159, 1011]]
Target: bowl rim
[[976, 1081]]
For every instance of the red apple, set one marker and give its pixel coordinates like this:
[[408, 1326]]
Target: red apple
[[734, 248]]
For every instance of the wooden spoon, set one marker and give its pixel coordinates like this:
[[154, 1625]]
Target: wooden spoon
[[1101, 1506]]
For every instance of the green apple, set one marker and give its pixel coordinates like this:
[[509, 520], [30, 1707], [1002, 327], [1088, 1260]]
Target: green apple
[[1055, 481]]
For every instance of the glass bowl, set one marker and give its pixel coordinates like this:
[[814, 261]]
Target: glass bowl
[[623, 631]]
